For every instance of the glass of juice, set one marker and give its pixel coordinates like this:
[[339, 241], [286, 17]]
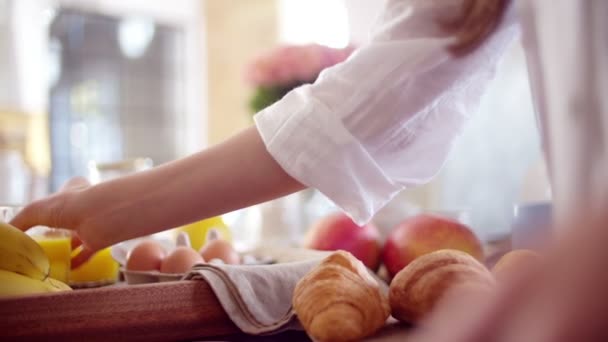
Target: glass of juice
[[57, 244], [100, 270]]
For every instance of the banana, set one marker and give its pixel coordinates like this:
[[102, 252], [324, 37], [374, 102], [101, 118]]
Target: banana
[[21, 254], [13, 284]]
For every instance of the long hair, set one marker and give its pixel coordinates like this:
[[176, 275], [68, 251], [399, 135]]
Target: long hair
[[478, 21]]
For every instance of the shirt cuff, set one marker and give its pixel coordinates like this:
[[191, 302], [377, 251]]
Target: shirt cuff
[[312, 145]]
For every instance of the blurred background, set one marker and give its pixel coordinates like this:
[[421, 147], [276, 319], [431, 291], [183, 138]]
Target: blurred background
[[101, 88]]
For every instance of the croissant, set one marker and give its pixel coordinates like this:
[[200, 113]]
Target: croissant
[[339, 300], [421, 285]]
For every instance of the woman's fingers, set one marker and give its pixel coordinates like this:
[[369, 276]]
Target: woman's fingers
[[53, 212], [76, 242], [83, 256], [50, 211], [30, 216]]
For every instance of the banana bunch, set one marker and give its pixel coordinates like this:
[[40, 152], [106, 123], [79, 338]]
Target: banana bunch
[[24, 267]]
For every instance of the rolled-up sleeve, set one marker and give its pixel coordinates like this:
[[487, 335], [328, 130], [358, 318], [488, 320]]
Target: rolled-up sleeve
[[385, 119]]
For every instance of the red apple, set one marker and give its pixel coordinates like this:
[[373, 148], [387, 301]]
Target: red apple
[[338, 232], [424, 234]]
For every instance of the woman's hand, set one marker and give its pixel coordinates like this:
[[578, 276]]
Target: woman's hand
[[64, 209]]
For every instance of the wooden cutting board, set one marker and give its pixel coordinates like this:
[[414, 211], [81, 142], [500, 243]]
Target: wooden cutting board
[[183, 310]]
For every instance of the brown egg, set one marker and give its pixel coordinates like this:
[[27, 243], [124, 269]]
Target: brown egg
[[146, 256], [220, 249], [180, 260]]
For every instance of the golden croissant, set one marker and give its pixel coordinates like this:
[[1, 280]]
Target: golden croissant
[[421, 285], [339, 300]]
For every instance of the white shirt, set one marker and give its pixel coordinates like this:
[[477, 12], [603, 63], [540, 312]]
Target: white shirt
[[385, 119]]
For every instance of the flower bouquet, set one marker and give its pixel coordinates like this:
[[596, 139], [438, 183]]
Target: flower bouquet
[[278, 71]]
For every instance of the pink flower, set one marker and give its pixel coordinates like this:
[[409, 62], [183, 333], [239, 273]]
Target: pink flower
[[290, 64]]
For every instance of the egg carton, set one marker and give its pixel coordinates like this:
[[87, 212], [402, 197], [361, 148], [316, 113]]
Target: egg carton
[[141, 277], [144, 277], [120, 251]]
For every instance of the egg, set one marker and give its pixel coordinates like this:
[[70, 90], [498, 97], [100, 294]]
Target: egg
[[220, 249], [180, 260], [145, 256]]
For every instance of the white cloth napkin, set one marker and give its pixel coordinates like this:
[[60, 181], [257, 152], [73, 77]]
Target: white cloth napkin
[[256, 297]]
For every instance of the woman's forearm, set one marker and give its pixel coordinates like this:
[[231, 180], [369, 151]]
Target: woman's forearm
[[232, 175]]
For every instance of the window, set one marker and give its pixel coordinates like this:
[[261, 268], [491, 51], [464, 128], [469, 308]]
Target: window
[[121, 88]]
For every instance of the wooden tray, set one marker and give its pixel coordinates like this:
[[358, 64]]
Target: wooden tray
[[166, 311], [183, 310]]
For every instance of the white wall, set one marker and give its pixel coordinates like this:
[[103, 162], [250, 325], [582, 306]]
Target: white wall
[[8, 74], [313, 21], [22, 56], [329, 22]]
